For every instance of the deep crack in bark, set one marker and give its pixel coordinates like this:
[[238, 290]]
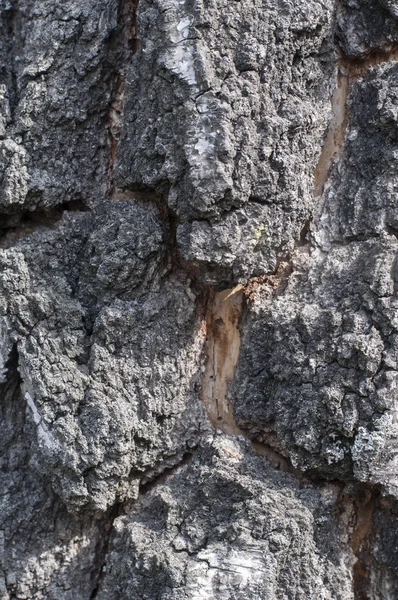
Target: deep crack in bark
[[364, 505], [16, 226]]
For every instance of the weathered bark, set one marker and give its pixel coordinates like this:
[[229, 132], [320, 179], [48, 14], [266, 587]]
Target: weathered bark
[[198, 298]]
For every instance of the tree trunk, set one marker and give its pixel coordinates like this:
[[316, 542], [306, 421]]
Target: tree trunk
[[198, 300]]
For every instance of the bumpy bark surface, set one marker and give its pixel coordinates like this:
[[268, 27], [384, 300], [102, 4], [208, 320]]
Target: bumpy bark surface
[[198, 300]]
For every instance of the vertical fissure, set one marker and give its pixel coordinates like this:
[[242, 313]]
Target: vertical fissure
[[128, 39], [8, 72], [115, 111], [360, 546], [223, 344], [349, 70], [335, 136], [113, 513]]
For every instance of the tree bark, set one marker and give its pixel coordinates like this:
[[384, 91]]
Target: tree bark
[[198, 299]]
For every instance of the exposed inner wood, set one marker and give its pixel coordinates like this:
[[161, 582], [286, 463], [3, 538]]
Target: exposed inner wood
[[223, 340], [223, 345], [350, 69], [360, 546], [334, 141]]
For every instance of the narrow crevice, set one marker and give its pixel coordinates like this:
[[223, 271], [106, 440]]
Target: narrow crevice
[[134, 40], [304, 234], [115, 110], [128, 29], [10, 368], [113, 513], [151, 484], [8, 72], [175, 262], [187, 271], [335, 136], [128, 41], [364, 503]]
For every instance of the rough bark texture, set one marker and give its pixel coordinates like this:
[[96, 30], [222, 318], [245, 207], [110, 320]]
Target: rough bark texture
[[198, 300]]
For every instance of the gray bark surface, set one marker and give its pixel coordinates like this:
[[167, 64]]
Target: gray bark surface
[[198, 300]]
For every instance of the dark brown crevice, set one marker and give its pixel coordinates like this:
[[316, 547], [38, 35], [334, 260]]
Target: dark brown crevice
[[357, 67], [128, 29], [127, 37], [134, 40], [365, 502], [16, 226], [116, 511], [115, 110]]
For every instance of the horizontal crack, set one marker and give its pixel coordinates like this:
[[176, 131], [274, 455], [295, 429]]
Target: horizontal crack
[[16, 226], [356, 67], [148, 486]]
